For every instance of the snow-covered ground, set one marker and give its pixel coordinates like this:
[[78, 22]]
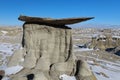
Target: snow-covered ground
[[6, 50], [102, 71], [105, 71]]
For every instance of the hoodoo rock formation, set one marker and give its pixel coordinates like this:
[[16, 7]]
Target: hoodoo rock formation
[[105, 42], [47, 45]]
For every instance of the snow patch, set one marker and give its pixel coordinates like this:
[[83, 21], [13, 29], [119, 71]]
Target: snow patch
[[105, 71], [83, 49], [8, 48], [13, 70], [5, 78], [66, 77], [4, 32]]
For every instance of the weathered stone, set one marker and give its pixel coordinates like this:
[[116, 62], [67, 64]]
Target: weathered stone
[[62, 68], [46, 44], [105, 41], [2, 73], [48, 48], [20, 78], [116, 51], [43, 64], [83, 72], [40, 76], [54, 21], [30, 60]]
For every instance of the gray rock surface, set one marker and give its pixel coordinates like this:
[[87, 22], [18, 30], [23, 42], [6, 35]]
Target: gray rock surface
[[84, 72], [48, 53], [48, 49]]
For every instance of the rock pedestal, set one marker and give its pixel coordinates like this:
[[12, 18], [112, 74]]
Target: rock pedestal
[[47, 47], [83, 72]]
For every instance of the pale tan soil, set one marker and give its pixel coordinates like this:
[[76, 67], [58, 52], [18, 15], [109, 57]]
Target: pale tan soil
[[12, 35], [93, 55]]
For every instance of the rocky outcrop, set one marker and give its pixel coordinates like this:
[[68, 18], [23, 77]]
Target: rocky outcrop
[[47, 50], [116, 51], [103, 42], [83, 71], [2, 73]]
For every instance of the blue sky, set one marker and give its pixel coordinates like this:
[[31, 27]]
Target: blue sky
[[104, 11]]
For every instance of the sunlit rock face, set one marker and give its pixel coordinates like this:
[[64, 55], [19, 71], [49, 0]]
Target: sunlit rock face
[[47, 51], [83, 71], [46, 45]]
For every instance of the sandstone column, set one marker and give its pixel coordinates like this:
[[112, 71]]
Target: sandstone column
[[48, 48]]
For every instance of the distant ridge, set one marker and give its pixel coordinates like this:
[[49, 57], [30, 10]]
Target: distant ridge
[[95, 26], [10, 26]]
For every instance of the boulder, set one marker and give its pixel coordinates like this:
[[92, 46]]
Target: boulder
[[2, 73], [83, 71], [62, 68], [116, 51]]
